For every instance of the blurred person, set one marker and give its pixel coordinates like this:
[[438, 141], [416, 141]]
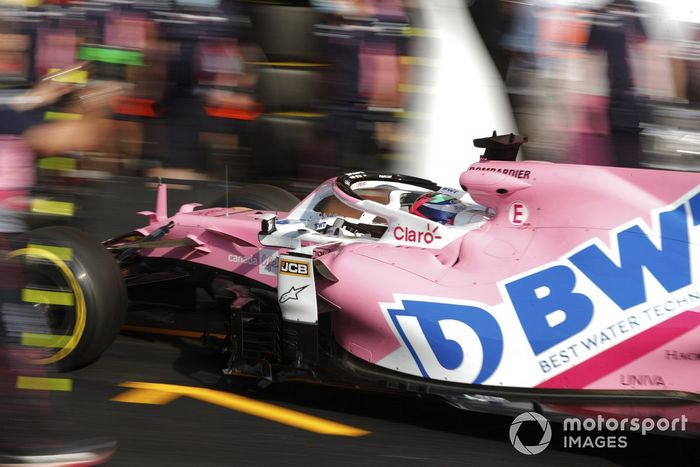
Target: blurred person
[[227, 81], [26, 437], [519, 41], [574, 126], [136, 112], [523, 77], [673, 57], [492, 18], [689, 64], [89, 133], [615, 28], [364, 48], [193, 46], [553, 83]]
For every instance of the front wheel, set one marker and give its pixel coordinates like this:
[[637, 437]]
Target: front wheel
[[71, 279]]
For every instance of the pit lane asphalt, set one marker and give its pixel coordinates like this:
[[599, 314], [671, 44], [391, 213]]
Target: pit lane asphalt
[[403, 431]]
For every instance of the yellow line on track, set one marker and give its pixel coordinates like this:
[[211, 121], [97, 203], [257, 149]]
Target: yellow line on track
[[249, 406], [146, 396]]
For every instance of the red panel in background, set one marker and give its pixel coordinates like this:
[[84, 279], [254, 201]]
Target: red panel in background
[[233, 113], [135, 107]]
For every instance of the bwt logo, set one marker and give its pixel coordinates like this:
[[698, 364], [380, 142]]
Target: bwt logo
[[294, 268], [550, 311]]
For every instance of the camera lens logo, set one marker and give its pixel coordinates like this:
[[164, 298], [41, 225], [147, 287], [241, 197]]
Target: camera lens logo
[[546, 433]]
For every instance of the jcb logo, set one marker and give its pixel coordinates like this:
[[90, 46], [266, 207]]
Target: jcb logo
[[294, 268]]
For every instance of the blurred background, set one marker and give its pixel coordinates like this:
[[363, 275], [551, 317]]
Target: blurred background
[[101, 99], [204, 93]]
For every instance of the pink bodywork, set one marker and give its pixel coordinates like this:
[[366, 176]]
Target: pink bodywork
[[567, 205]]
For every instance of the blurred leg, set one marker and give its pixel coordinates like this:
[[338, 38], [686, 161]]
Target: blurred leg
[[23, 411]]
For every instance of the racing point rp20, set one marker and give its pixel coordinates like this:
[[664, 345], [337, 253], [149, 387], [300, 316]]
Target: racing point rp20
[[553, 287]]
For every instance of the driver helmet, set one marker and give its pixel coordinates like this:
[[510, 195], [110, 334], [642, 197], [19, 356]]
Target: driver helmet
[[438, 207]]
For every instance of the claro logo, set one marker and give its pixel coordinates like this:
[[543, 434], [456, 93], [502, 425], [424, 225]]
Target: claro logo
[[407, 234]]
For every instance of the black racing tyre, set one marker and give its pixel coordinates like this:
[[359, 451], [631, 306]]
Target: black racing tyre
[[264, 197], [67, 260]]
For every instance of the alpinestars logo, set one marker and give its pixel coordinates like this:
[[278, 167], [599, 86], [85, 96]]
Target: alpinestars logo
[[292, 294]]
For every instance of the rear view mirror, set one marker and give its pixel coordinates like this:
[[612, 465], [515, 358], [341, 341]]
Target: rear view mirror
[[268, 225]]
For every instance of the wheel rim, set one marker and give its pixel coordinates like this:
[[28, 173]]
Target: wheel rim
[[68, 342]]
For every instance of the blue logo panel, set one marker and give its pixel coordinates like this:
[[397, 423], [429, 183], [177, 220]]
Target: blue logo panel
[[624, 284], [448, 352], [533, 308], [694, 204]]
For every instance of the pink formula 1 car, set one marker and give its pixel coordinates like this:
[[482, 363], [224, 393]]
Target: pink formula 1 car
[[557, 287]]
